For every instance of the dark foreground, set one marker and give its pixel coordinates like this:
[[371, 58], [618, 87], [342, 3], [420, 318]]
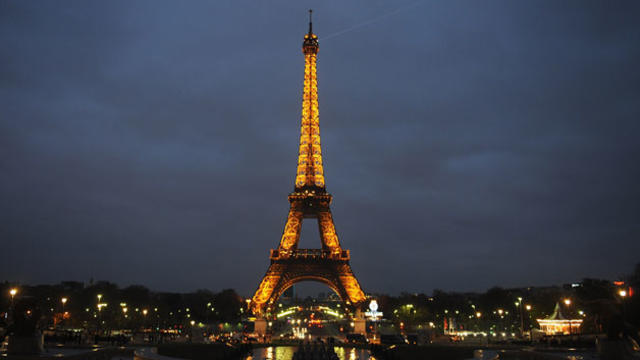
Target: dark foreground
[[288, 352]]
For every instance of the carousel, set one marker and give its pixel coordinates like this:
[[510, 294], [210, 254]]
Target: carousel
[[558, 324]]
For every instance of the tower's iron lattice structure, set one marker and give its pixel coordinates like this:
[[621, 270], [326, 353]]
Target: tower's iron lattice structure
[[309, 199]]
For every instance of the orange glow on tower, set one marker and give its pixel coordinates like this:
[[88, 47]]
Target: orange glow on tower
[[309, 199], [310, 172]]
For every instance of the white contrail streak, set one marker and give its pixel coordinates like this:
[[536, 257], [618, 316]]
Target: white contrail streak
[[365, 23]]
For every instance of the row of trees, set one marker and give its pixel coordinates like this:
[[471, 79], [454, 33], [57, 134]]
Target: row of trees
[[595, 301], [104, 305]]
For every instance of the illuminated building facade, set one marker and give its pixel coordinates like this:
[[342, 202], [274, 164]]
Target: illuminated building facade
[[309, 199]]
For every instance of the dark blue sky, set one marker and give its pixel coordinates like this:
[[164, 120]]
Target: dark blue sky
[[467, 144]]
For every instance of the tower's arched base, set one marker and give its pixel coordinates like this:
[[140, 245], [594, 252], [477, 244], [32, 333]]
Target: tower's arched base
[[304, 265]]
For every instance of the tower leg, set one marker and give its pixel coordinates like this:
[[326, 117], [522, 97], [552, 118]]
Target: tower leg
[[260, 327], [359, 323]]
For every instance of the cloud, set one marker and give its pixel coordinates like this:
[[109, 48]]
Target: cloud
[[156, 142]]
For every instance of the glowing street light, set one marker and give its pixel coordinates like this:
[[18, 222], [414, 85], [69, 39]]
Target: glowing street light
[[478, 314], [622, 293], [567, 301], [13, 293], [144, 312], [528, 307], [63, 301], [520, 313], [500, 311], [99, 297]]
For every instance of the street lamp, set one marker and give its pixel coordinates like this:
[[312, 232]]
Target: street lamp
[[528, 307], [623, 295], [144, 317], [567, 302], [478, 315], [13, 293], [63, 300], [520, 312], [100, 306]]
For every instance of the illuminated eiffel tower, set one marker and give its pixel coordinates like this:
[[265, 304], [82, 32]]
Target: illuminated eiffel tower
[[309, 199]]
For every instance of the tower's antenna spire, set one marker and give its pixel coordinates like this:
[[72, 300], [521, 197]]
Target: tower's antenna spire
[[310, 44]]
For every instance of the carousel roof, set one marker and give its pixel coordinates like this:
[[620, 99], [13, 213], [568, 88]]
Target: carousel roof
[[557, 317], [557, 314]]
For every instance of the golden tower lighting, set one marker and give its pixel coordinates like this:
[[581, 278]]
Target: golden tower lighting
[[309, 199]]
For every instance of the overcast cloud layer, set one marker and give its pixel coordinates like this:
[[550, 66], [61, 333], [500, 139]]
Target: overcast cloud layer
[[467, 144]]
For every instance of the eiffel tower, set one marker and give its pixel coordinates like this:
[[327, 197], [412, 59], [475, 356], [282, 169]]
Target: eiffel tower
[[309, 199]]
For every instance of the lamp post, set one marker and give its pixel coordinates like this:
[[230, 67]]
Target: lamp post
[[567, 302], [100, 306], [623, 295], [519, 305], [13, 293], [144, 317], [63, 301], [528, 308], [125, 316]]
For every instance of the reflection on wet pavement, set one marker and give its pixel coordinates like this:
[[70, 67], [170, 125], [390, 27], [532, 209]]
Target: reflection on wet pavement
[[286, 353]]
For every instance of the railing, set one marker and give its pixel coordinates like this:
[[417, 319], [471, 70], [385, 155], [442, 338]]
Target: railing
[[310, 254]]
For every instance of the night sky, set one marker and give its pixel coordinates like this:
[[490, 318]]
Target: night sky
[[467, 143]]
